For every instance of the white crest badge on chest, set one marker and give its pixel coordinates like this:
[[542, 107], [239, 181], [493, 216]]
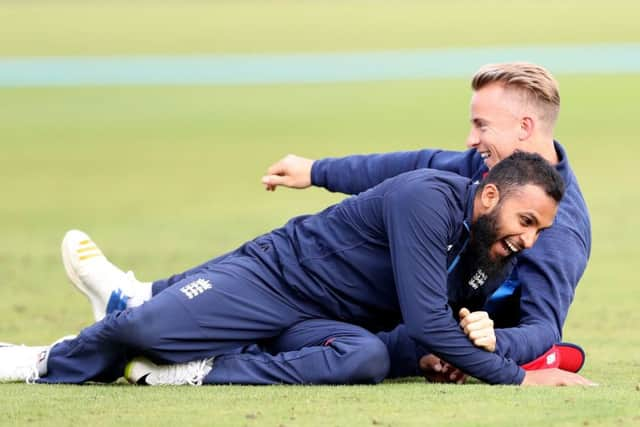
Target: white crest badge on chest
[[478, 279]]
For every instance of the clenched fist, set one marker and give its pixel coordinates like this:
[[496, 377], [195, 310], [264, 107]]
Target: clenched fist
[[478, 327]]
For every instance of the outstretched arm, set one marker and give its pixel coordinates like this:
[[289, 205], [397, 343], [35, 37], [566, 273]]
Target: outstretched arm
[[548, 274], [354, 174], [409, 360], [291, 171], [479, 328]]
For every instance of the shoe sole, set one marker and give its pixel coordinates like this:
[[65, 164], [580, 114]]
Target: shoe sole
[[71, 273]]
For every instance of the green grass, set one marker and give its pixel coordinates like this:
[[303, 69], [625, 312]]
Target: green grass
[[124, 27], [407, 404], [165, 177]]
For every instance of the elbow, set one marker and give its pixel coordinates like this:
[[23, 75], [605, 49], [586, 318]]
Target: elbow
[[417, 333]]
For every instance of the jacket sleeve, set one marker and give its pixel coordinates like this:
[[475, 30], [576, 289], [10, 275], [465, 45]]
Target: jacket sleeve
[[418, 226], [548, 274], [355, 174], [404, 354]]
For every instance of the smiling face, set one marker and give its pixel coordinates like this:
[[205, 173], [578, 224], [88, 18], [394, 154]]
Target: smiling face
[[498, 123], [510, 223]]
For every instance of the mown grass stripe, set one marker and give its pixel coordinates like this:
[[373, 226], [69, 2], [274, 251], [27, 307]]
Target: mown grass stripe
[[308, 68]]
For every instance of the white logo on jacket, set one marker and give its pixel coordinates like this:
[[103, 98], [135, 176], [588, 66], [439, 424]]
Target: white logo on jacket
[[478, 279], [196, 288]]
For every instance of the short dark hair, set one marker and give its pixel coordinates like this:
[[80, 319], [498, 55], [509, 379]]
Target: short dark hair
[[522, 168]]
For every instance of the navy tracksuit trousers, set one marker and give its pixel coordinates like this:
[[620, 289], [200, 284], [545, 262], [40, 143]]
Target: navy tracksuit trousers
[[238, 309]]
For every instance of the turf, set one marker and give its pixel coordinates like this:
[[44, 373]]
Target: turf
[[92, 27], [165, 177]]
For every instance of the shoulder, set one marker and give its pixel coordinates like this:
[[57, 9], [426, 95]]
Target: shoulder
[[426, 197], [427, 189], [572, 220], [428, 180]]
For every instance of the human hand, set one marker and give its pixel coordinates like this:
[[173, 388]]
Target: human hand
[[436, 370], [555, 377], [291, 171], [478, 327]]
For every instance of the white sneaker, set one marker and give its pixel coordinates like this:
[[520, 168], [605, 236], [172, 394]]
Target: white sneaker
[[106, 286], [24, 363], [142, 371]]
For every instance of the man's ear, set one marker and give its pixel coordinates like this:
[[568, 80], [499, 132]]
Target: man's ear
[[489, 197], [527, 126]]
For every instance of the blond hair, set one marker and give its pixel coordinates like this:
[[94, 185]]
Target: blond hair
[[533, 82]]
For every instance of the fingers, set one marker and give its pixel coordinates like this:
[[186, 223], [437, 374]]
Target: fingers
[[451, 371], [478, 327], [436, 370], [276, 175], [430, 363], [587, 382], [481, 317], [556, 377], [278, 168], [481, 333], [291, 171], [484, 327], [567, 378], [457, 376], [271, 182], [483, 338], [476, 321]]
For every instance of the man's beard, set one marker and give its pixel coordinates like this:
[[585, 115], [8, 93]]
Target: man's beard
[[484, 233]]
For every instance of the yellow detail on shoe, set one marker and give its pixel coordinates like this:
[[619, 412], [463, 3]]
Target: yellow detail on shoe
[[83, 257], [128, 375], [127, 371], [85, 242], [87, 249]]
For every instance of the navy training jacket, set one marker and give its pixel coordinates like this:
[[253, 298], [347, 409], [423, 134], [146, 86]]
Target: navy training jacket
[[533, 304], [382, 257]]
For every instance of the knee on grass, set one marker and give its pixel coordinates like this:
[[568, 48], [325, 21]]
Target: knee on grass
[[366, 363]]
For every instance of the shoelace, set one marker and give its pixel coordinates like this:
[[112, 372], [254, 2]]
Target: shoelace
[[191, 373], [32, 374]]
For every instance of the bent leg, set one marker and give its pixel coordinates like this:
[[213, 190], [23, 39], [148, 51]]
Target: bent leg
[[261, 247], [160, 285], [205, 315], [311, 352]]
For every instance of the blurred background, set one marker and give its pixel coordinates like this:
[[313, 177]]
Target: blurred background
[[115, 118]]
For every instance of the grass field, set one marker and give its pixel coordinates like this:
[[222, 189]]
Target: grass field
[[165, 177]]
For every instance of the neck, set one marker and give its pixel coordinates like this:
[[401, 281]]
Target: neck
[[545, 147]]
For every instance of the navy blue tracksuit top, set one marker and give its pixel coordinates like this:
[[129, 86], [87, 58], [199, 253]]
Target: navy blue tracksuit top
[[543, 282], [382, 256]]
